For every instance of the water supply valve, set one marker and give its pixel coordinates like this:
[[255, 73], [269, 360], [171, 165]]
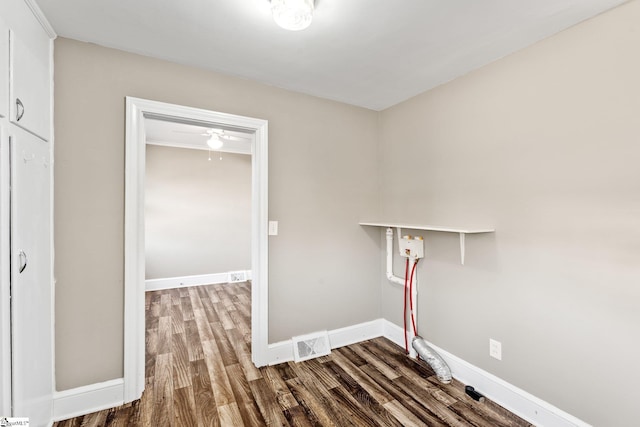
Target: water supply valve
[[412, 247]]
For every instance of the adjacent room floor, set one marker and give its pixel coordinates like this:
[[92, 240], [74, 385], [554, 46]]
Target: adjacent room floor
[[199, 373]]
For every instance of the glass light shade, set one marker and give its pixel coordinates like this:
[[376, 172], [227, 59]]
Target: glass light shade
[[292, 15], [215, 143]]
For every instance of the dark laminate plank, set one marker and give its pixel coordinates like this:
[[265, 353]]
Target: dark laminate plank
[[165, 305], [353, 387], [267, 402], [312, 407], [206, 410], [242, 325], [194, 295], [177, 322], [230, 415], [350, 355], [118, 417], [163, 391], [421, 393], [185, 406], [151, 349], [370, 411], [154, 304], [97, 419], [227, 352], [204, 329], [187, 308], [136, 416], [213, 293], [327, 404], [244, 354], [194, 345], [181, 374], [221, 388], [374, 389], [378, 363], [402, 398], [163, 345], [208, 306], [199, 373], [297, 417], [244, 398], [224, 316], [321, 374], [403, 415], [277, 384], [424, 414]]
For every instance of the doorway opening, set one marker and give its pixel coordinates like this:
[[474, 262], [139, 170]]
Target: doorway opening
[[138, 111]]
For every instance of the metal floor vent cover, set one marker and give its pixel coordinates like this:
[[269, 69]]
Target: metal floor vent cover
[[237, 276], [308, 346]]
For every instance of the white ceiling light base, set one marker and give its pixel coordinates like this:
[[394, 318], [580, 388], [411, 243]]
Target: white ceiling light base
[[215, 143], [293, 15]]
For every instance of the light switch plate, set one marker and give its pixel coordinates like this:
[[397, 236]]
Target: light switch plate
[[273, 228]]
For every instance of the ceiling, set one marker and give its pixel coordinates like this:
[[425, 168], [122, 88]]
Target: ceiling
[[370, 53]]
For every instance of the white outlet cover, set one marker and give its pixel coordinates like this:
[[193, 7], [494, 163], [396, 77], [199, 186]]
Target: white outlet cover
[[273, 228], [495, 349]]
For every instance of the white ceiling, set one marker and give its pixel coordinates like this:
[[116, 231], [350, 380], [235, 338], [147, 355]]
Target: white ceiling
[[370, 53]]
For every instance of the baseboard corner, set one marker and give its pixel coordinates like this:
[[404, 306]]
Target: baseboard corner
[[84, 400]]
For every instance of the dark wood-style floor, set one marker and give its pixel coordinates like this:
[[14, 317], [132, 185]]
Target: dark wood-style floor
[[199, 373]]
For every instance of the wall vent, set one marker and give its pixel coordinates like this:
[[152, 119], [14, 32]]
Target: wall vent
[[237, 276], [308, 346]]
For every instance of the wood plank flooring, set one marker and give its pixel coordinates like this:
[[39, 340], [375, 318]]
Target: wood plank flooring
[[199, 373]]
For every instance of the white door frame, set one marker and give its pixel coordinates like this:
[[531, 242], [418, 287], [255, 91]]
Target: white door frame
[[5, 276], [134, 261]]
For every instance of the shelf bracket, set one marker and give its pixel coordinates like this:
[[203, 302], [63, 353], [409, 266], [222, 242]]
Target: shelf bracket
[[462, 236]]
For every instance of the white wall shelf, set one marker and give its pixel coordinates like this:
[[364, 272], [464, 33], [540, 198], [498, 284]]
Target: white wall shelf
[[462, 232]]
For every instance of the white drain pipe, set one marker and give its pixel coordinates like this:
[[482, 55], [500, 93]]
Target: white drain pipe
[[392, 278]]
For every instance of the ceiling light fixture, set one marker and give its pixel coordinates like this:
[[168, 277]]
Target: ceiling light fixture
[[293, 15], [215, 143]]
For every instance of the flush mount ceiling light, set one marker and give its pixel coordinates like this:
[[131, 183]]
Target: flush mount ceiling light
[[215, 143], [293, 15]]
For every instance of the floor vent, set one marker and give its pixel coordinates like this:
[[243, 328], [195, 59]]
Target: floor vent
[[237, 276], [307, 347]]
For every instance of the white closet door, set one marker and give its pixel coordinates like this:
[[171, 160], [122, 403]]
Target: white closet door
[[31, 288]]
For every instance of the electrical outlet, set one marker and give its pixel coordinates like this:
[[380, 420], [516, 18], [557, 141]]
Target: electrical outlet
[[495, 349]]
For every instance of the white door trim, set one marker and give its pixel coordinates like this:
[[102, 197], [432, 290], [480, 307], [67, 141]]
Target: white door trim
[[134, 268], [5, 277]]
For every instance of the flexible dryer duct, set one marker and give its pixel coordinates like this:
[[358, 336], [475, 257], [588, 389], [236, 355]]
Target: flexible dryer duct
[[434, 360]]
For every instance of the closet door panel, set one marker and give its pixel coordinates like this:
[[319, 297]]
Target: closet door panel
[[4, 68], [30, 78], [31, 278]]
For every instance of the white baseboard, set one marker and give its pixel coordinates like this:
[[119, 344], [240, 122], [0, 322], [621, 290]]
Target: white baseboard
[[197, 280], [283, 351], [523, 404], [87, 399]]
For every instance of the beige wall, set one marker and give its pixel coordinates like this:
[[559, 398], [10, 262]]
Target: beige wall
[[197, 212], [322, 180], [543, 145]]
